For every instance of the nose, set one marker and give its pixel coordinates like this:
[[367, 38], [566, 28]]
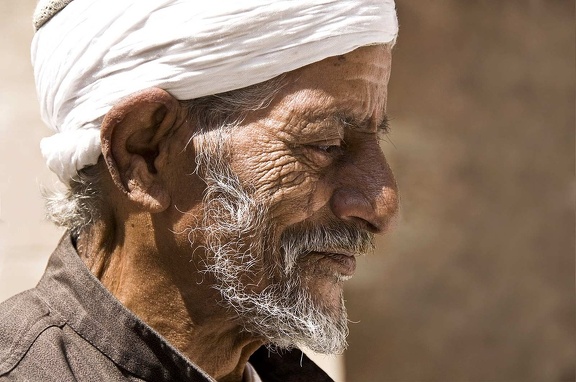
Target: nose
[[366, 192]]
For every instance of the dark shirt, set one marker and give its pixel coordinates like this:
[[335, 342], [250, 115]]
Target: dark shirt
[[71, 328]]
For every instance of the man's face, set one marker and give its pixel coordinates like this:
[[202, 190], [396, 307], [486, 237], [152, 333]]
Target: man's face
[[293, 194]]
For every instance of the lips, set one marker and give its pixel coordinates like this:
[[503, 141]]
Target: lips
[[343, 264]]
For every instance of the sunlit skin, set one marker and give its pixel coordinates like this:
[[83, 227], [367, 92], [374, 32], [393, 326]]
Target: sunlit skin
[[313, 153]]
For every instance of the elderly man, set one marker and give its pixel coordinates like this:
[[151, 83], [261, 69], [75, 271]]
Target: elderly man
[[222, 170]]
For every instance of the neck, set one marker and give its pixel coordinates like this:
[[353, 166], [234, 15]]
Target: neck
[[167, 292]]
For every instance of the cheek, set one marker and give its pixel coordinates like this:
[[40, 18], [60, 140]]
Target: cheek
[[293, 190]]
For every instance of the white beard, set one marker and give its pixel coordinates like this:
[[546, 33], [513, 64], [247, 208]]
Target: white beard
[[243, 251]]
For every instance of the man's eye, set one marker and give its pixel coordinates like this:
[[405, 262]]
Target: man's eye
[[330, 149], [323, 154]]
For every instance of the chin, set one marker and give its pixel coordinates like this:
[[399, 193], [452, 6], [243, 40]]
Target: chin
[[326, 292], [323, 278]]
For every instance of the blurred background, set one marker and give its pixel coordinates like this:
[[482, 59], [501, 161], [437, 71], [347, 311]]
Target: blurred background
[[476, 282]]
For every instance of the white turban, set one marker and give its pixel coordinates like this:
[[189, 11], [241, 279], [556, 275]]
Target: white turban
[[95, 52]]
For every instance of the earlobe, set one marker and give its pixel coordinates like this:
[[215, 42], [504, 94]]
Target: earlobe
[[133, 134]]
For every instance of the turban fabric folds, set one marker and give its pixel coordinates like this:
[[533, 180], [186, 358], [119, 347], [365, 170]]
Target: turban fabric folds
[[93, 53]]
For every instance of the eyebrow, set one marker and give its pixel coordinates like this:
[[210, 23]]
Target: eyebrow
[[349, 121]]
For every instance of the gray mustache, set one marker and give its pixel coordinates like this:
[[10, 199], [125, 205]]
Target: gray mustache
[[341, 238]]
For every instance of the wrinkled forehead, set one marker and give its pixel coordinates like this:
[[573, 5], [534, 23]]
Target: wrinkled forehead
[[353, 85], [369, 64]]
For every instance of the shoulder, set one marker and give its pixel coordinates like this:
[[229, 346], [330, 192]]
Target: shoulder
[[23, 319], [37, 344]]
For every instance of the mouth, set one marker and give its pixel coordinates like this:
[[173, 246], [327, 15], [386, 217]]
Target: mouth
[[339, 264]]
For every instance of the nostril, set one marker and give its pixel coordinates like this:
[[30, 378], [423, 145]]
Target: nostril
[[365, 224], [351, 205], [372, 228]]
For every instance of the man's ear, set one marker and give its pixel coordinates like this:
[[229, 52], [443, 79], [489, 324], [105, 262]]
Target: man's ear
[[132, 137]]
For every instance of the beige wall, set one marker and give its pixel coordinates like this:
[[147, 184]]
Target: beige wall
[[477, 281], [26, 239]]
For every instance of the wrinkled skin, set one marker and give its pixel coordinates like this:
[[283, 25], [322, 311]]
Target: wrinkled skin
[[314, 167], [313, 154]]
